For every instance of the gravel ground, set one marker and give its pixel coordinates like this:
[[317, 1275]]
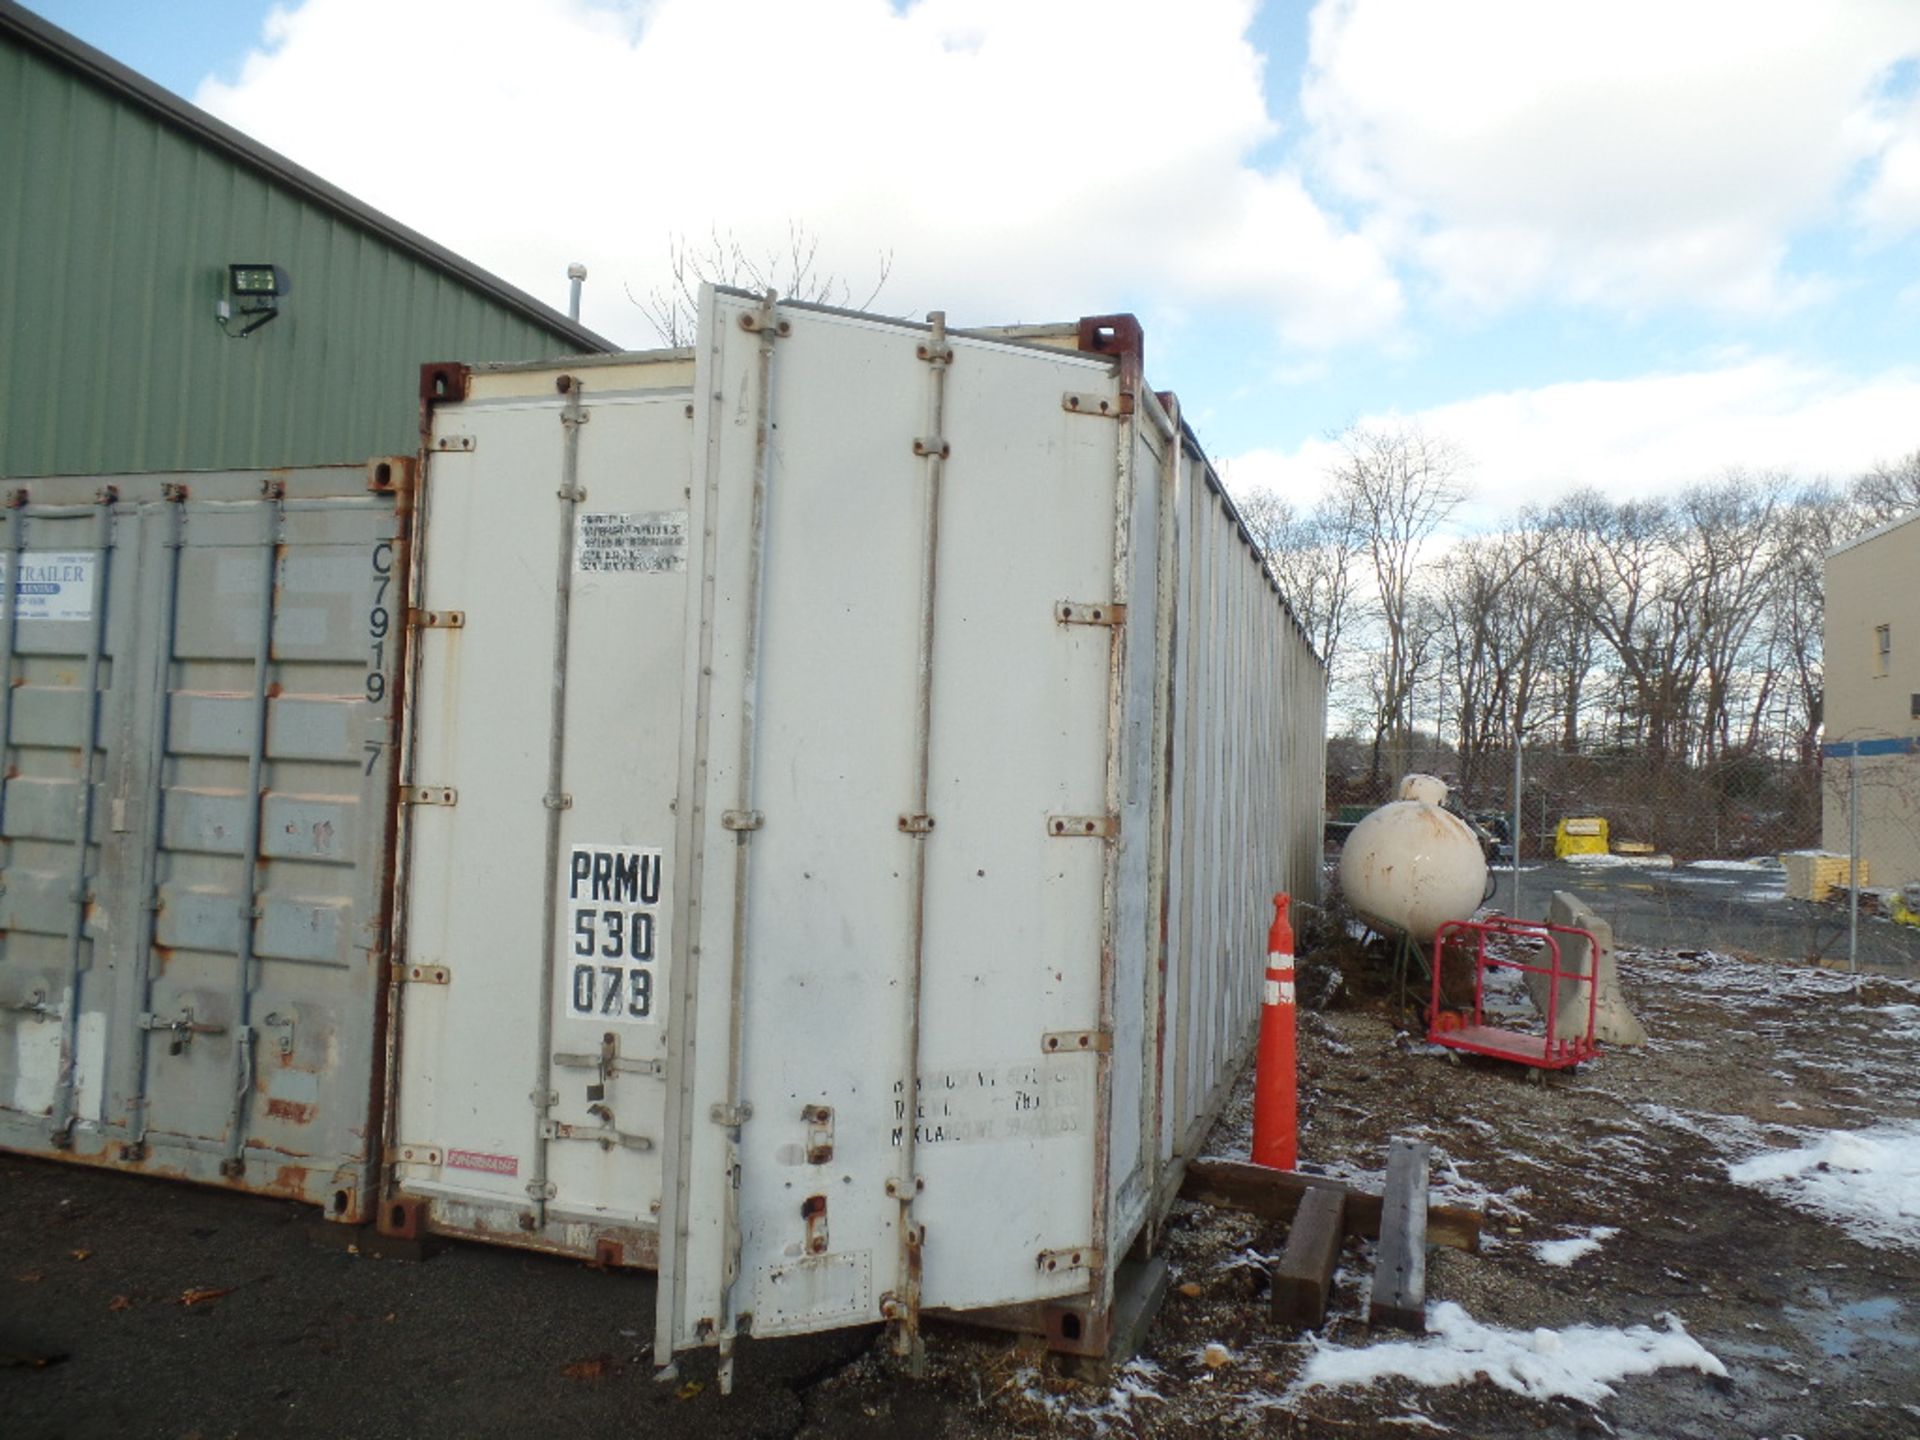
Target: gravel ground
[[130, 1308]]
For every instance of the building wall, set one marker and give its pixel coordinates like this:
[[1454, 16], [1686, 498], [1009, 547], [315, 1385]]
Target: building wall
[[117, 223], [1872, 583]]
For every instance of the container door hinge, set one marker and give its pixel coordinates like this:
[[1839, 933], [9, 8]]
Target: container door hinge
[[453, 442], [932, 445], [1079, 612], [437, 619], [1079, 402], [414, 1155], [422, 975], [765, 320], [1064, 1042], [1084, 827], [1079, 1257], [741, 819], [731, 1116], [429, 795], [917, 824]]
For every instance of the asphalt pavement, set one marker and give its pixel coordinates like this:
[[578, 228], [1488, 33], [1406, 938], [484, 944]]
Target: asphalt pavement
[[1726, 906]]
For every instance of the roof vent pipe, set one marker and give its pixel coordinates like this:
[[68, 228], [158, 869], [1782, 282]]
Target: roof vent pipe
[[576, 272]]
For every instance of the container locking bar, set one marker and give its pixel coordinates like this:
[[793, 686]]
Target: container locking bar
[[606, 1136]]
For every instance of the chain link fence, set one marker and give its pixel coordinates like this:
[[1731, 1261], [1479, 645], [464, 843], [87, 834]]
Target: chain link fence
[[1689, 857]]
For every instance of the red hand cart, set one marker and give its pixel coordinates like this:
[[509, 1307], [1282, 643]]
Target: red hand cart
[[1544, 1050]]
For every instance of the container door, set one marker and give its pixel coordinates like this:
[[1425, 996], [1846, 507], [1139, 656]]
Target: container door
[[538, 916], [68, 580], [806, 1121], [231, 937]]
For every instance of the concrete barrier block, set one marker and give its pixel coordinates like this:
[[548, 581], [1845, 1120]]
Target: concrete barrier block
[[1614, 1023]]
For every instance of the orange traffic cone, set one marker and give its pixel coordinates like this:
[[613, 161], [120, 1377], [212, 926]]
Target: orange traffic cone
[[1275, 1102]]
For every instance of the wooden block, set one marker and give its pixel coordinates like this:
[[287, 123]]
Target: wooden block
[[1303, 1279], [1400, 1265], [1276, 1195]]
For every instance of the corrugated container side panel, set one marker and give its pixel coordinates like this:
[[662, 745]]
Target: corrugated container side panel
[[113, 252], [1190, 786], [1130, 1171]]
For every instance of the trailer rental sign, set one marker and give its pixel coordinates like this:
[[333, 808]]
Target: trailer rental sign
[[611, 938]]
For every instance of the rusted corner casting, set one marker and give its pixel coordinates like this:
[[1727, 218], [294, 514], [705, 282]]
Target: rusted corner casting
[[1120, 337]]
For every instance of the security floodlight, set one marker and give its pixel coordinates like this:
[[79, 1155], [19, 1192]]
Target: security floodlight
[[257, 288]]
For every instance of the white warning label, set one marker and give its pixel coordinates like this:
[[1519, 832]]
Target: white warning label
[[643, 542], [52, 586]]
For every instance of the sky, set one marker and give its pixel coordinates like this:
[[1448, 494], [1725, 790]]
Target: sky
[[1630, 244]]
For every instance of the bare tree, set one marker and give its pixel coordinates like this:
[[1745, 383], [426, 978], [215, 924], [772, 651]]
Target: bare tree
[[1888, 491], [1400, 485], [792, 270], [1313, 557], [1733, 530], [1499, 618]]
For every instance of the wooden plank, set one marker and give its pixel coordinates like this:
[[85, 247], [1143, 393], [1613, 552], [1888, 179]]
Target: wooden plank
[[1400, 1264], [1303, 1279], [1276, 1195]]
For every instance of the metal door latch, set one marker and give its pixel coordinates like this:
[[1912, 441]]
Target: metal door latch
[[183, 1029]]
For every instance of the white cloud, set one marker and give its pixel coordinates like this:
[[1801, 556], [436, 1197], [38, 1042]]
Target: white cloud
[[1632, 154], [1021, 161], [1645, 436], [1889, 203]]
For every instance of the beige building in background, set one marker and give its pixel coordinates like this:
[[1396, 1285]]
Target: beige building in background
[[1873, 699]]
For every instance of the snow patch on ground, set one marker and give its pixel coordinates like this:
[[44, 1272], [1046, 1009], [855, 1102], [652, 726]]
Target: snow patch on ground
[[1136, 1382], [1580, 1362], [1616, 862], [1564, 1252], [1754, 866], [1866, 1181]]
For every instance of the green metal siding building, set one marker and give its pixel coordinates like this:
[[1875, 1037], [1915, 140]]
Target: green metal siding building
[[121, 209]]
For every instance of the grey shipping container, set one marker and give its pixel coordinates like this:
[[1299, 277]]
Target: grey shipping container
[[848, 767], [198, 725]]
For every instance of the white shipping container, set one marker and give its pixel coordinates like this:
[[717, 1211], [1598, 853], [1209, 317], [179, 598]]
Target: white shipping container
[[849, 768]]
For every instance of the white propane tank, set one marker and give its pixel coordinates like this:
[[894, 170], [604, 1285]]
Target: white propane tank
[[1412, 865]]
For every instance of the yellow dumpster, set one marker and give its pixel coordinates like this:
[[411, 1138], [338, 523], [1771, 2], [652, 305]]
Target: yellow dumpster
[[1580, 835]]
